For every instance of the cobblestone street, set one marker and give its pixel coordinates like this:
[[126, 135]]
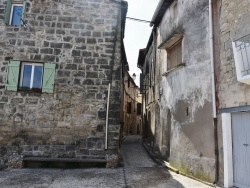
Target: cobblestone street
[[139, 171]]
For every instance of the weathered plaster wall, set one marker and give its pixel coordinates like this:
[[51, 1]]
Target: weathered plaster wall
[[187, 91], [78, 36], [149, 98]]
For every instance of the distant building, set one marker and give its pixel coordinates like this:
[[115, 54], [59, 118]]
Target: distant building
[[132, 106]]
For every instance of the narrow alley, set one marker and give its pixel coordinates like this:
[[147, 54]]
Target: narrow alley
[[139, 171]]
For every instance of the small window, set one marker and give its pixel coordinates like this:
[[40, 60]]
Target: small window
[[28, 76], [129, 108], [139, 109], [174, 55], [31, 76], [14, 12]]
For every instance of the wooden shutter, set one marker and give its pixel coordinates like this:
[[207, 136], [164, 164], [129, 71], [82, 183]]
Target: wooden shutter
[[7, 12], [48, 78], [24, 10], [12, 75]]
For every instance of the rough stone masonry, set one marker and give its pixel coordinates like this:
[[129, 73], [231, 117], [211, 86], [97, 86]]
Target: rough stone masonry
[[82, 38]]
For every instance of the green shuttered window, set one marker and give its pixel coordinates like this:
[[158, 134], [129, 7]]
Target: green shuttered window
[[27, 76], [14, 12]]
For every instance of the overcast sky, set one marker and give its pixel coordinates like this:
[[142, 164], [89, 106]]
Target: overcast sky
[[137, 33]]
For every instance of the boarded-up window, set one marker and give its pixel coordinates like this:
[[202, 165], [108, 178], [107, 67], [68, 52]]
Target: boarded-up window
[[138, 108], [129, 106], [174, 55]]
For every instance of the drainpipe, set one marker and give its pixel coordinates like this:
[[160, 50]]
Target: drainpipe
[[211, 28], [107, 120]]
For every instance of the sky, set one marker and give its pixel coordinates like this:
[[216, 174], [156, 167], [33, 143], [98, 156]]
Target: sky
[[137, 33]]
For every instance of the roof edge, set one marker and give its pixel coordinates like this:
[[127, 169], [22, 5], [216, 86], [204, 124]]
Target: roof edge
[[156, 12]]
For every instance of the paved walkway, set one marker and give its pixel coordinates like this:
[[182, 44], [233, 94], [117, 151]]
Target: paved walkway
[[139, 171], [142, 172]]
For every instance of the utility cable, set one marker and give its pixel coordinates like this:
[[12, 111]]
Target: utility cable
[[138, 20]]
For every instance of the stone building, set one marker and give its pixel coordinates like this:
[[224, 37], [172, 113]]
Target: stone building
[[132, 106], [57, 61], [233, 93], [176, 85]]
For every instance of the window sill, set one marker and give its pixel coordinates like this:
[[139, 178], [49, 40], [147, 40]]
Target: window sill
[[173, 69], [33, 90]]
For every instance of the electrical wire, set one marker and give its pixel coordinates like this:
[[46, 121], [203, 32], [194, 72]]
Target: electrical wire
[[138, 20]]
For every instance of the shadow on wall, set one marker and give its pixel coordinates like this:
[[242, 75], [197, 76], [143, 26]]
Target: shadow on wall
[[159, 143]]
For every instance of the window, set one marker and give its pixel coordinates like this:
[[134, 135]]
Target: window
[[174, 55], [129, 108], [138, 109], [14, 12], [241, 51], [28, 76], [31, 76]]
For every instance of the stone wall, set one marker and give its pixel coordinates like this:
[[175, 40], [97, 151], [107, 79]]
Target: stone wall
[[78, 36], [234, 21]]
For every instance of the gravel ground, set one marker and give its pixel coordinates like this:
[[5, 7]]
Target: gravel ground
[[139, 171]]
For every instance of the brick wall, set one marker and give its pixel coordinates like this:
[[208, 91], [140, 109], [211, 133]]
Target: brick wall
[[78, 36]]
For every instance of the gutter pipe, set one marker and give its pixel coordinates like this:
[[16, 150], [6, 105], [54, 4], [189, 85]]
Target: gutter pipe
[[212, 56], [107, 119], [211, 37]]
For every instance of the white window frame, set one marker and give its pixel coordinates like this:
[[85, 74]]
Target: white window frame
[[11, 11], [32, 73]]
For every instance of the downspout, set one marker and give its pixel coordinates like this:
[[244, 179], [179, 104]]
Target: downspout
[[110, 80], [211, 28], [107, 119]]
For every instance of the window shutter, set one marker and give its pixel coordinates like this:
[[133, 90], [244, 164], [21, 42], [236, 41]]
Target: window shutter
[[48, 78], [12, 75], [7, 12], [24, 10]]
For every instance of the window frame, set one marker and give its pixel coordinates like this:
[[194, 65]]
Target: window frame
[[11, 13], [33, 64], [176, 47]]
